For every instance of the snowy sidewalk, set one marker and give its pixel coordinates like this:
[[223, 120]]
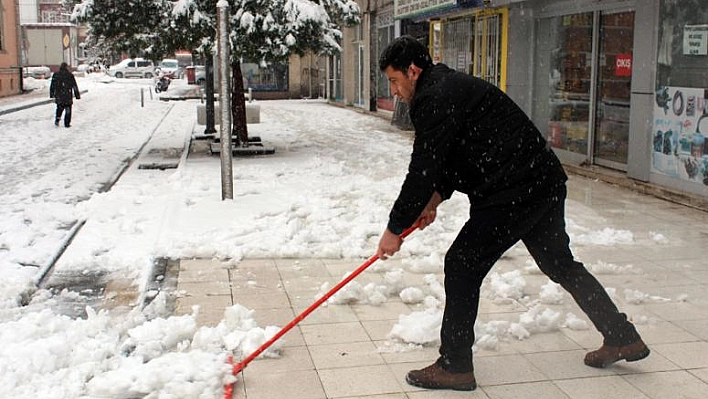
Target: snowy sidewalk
[[346, 350], [300, 219]]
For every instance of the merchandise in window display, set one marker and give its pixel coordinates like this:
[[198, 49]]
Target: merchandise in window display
[[680, 148]]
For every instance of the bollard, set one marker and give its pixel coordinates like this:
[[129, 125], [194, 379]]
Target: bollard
[[142, 98]]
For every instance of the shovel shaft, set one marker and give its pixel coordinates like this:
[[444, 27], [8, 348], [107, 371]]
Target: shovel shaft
[[242, 364]]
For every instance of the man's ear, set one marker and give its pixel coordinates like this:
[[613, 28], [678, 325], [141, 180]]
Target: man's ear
[[413, 72]]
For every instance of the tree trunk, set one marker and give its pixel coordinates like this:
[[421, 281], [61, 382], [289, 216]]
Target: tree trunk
[[209, 86], [238, 105]]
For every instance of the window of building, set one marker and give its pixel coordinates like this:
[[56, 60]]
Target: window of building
[[584, 70], [274, 77], [683, 44], [335, 77], [680, 128], [475, 45], [385, 35]]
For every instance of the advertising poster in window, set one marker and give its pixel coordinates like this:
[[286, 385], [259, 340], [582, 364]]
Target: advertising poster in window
[[680, 148]]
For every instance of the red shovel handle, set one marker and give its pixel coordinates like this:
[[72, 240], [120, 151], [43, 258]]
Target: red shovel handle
[[228, 390]]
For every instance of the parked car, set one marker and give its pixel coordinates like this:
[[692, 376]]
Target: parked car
[[199, 75], [169, 67], [136, 68], [37, 72], [82, 70]]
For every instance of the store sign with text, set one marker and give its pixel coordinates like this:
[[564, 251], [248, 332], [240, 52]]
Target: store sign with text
[[408, 8], [695, 40], [623, 65]]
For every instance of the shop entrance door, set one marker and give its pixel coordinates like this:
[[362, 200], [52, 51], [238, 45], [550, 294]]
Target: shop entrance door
[[359, 96], [613, 89], [582, 85], [489, 47]]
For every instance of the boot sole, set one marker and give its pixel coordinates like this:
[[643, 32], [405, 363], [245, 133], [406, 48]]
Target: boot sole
[[639, 356], [458, 387]]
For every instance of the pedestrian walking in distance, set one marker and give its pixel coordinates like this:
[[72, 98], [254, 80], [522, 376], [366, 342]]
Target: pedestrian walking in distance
[[472, 138], [63, 89]]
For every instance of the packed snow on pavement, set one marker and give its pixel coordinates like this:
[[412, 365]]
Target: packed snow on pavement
[[325, 193]]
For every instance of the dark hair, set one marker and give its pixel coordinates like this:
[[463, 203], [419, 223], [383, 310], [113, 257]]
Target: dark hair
[[64, 66], [403, 51]]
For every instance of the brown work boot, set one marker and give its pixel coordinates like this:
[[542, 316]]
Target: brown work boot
[[607, 355], [435, 377]]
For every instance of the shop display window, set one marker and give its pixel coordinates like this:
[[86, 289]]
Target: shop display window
[[582, 98], [680, 126], [563, 80]]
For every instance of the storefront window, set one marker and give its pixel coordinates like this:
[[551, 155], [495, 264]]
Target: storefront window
[[584, 69], [335, 77], [274, 77], [683, 32], [563, 74], [457, 44], [680, 148], [385, 30], [614, 87]]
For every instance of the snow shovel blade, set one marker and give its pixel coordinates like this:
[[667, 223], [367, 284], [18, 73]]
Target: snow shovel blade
[[237, 368]]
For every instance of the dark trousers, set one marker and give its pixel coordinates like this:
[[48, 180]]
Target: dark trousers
[[66, 109], [484, 238]]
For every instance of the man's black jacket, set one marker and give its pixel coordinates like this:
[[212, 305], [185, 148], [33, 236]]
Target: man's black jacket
[[471, 137], [63, 87]]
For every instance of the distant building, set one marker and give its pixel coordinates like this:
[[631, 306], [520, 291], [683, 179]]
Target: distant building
[[10, 65], [48, 36]]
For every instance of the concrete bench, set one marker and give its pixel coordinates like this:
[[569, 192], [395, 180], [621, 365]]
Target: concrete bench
[[253, 113]]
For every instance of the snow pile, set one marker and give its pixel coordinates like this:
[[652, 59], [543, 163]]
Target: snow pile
[[610, 268], [371, 293], [551, 293], [125, 356], [607, 236], [637, 297], [574, 323], [421, 327], [505, 287], [658, 238], [412, 295], [431, 263]]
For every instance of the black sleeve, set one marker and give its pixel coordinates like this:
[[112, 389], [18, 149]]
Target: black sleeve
[[435, 124], [75, 87], [52, 86]]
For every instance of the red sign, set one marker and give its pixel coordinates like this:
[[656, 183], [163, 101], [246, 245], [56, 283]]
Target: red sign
[[623, 65]]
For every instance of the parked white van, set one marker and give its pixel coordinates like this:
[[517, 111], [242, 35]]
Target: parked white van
[[135, 68], [169, 67]]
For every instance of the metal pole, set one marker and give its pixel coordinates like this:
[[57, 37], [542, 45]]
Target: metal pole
[[227, 181]]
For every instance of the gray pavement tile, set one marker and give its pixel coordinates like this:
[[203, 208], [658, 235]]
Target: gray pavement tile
[[669, 384], [544, 389]]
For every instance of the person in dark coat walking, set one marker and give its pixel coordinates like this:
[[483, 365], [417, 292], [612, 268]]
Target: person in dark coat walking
[[63, 89], [472, 138]]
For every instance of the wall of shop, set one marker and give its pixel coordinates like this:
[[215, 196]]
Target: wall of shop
[[679, 136], [621, 84], [520, 55], [600, 78]]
